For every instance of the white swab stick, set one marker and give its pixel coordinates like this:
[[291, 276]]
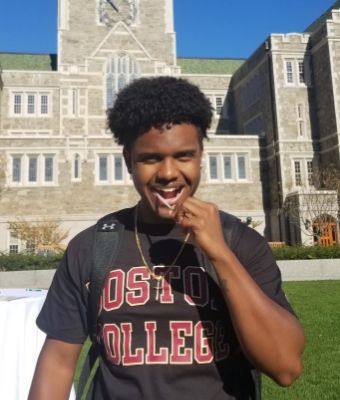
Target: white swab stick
[[164, 201]]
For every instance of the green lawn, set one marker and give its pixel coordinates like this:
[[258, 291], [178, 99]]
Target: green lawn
[[317, 304], [318, 307]]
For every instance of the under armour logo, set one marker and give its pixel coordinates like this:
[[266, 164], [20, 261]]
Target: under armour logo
[[107, 227]]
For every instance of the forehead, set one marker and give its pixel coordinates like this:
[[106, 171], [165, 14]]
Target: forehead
[[174, 137]]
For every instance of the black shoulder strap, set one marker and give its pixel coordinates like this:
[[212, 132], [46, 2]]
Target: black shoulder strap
[[233, 229], [108, 232], [107, 240]]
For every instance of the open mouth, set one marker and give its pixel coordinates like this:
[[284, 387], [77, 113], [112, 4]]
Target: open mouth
[[168, 196]]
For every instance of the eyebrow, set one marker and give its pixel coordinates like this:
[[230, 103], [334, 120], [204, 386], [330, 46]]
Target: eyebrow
[[190, 152]]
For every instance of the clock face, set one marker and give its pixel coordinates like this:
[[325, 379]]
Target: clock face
[[113, 11]]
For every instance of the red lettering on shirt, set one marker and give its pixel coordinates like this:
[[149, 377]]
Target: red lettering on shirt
[[152, 355], [130, 358], [111, 339], [204, 344], [179, 353], [139, 292], [114, 290], [170, 273]]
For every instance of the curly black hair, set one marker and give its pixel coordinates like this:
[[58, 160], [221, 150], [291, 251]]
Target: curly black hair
[[154, 102]]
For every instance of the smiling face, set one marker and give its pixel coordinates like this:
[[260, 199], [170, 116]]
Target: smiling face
[[165, 167]]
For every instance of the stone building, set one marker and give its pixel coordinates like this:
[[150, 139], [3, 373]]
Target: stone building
[[276, 118]]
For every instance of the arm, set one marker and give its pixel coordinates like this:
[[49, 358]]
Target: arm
[[270, 336], [54, 372]]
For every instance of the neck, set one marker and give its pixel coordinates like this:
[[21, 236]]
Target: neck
[[148, 216]]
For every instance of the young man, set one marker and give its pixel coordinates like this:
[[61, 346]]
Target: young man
[[167, 329]]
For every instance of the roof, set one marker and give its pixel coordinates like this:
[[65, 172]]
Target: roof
[[48, 62], [326, 15], [28, 62], [213, 66]]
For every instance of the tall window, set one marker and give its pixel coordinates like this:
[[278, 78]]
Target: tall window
[[32, 169], [297, 170], [76, 168], [289, 71], [103, 171], [44, 104], [17, 104], [310, 173], [74, 102], [48, 170], [241, 167], [301, 68], [301, 119], [120, 70], [30, 104], [16, 168], [14, 244], [227, 167], [118, 168], [213, 173]]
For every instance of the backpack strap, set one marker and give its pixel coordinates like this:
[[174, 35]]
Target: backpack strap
[[108, 233], [233, 229], [107, 240]]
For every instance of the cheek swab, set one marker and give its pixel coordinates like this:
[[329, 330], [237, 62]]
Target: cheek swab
[[160, 198]]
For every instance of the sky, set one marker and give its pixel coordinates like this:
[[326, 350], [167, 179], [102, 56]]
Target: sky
[[204, 28]]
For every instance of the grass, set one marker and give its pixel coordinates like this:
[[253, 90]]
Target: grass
[[317, 304]]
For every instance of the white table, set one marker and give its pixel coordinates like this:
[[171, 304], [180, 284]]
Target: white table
[[20, 340]]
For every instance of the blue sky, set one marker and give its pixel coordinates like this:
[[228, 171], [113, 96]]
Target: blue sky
[[205, 28]]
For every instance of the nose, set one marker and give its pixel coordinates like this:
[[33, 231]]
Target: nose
[[168, 170]]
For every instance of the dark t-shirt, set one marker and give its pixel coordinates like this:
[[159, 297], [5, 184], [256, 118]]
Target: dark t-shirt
[[174, 342]]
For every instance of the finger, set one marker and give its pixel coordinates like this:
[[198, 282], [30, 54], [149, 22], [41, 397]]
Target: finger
[[190, 206]]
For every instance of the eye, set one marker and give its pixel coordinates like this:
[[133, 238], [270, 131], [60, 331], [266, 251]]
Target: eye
[[185, 156], [149, 158]]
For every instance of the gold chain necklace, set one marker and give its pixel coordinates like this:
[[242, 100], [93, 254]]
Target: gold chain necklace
[[157, 277]]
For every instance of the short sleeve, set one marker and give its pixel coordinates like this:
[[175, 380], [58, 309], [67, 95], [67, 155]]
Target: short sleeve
[[256, 256], [64, 313]]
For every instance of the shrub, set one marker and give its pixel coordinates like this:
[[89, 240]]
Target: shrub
[[306, 252], [22, 262], [25, 262]]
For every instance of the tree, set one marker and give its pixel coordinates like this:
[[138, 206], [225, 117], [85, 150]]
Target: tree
[[42, 236], [315, 210], [328, 178]]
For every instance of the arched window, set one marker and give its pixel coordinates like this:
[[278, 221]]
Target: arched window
[[121, 69]]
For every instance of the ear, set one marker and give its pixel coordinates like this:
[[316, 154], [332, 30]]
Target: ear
[[127, 158]]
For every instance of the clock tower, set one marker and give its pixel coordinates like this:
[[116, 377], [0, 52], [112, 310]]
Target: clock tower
[[89, 31]]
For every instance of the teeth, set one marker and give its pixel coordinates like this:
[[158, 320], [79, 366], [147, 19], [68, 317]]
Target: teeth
[[168, 190]]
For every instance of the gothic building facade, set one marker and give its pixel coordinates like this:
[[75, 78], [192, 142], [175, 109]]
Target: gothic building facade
[[276, 119]]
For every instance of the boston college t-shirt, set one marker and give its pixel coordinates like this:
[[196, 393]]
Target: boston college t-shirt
[[160, 339]]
